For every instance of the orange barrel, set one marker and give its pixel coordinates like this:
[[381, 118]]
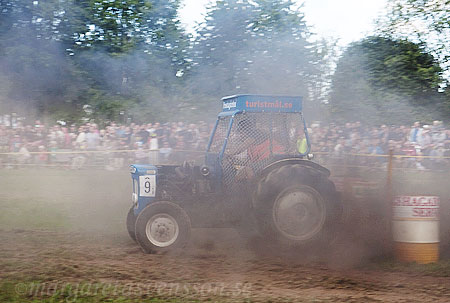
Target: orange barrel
[[415, 228]]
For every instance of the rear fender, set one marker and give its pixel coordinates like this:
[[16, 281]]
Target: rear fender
[[317, 167]]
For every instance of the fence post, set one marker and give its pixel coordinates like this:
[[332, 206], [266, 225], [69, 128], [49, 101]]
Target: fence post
[[389, 176], [389, 199]]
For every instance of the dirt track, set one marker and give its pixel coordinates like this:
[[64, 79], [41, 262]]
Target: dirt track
[[239, 274], [69, 228]]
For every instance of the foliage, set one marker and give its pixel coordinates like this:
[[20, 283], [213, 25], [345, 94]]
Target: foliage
[[424, 20], [402, 67], [380, 79], [117, 25], [255, 46], [132, 59], [58, 56]]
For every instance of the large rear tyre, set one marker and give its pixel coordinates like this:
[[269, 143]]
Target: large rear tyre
[[161, 227], [131, 222], [296, 206]]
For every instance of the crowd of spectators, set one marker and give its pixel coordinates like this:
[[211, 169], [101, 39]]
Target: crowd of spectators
[[428, 144], [39, 144], [164, 142]]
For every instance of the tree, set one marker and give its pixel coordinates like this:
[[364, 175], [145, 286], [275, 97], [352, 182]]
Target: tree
[[116, 25], [255, 46], [284, 59], [423, 21], [384, 80], [43, 80], [147, 65], [111, 55]]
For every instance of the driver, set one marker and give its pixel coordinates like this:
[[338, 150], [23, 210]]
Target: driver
[[252, 146]]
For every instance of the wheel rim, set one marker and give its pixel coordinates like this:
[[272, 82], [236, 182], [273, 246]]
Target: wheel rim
[[162, 230], [299, 213]]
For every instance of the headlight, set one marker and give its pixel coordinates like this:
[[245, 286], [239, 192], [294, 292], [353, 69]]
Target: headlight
[[204, 171], [135, 186], [134, 198], [133, 169], [134, 195]]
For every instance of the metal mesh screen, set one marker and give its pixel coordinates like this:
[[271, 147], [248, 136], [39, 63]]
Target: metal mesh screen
[[256, 140], [220, 135]]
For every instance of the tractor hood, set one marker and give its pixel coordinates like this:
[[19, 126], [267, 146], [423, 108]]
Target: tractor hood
[[143, 169]]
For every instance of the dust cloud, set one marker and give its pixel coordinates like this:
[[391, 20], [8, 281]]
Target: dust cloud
[[94, 203]]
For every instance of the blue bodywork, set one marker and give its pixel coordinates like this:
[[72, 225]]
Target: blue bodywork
[[138, 171], [261, 103]]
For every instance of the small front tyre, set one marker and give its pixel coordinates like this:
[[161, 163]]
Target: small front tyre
[[161, 227], [131, 222]]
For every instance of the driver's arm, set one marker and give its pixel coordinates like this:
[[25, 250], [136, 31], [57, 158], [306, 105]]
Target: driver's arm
[[240, 146]]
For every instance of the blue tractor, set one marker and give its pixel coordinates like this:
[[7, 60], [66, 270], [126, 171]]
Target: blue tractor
[[257, 177]]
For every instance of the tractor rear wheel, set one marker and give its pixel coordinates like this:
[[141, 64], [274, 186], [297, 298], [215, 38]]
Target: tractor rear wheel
[[161, 227], [296, 205]]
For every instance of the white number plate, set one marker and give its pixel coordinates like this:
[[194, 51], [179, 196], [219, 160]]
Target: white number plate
[[147, 186]]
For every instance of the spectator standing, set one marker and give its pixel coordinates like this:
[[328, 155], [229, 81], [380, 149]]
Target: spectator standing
[[165, 152], [439, 152], [415, 133], [438, 135], [375, 147], [42, 157], [154, 148], [143, 136], [339, 149], [67, 138], [80, 142], [24, 156], [92, 139], [425, 141]]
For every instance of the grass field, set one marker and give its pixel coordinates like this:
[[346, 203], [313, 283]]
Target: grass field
[[63, 239], [64, 200]]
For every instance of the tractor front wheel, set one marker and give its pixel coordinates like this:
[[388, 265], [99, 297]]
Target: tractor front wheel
[[131, 221], [161, 227]]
